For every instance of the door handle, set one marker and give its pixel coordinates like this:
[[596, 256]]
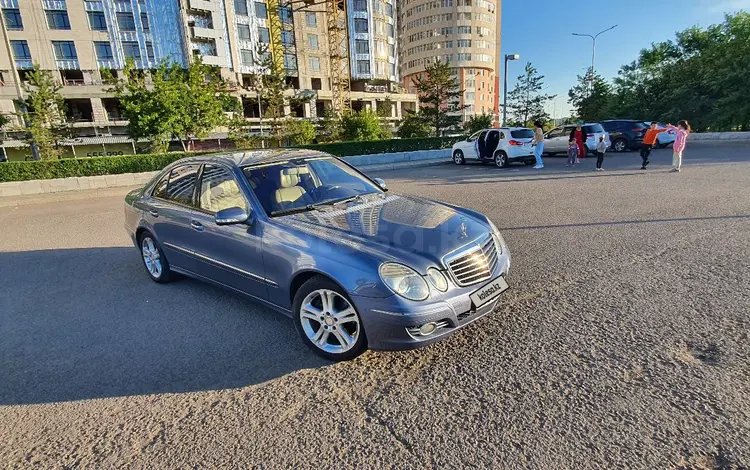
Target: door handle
[[154, 213], [197, 225]]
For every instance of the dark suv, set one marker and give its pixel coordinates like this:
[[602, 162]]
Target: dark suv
[[625, 133]]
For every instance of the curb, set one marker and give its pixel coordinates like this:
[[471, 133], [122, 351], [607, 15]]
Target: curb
[[382, 161]]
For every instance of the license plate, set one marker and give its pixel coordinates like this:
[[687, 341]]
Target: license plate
[[490, 290]]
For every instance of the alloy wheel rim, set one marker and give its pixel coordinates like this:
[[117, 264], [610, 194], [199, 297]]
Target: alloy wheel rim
[[620, 146], [457, 157], [500, 161], [151, 257], [329, 321]]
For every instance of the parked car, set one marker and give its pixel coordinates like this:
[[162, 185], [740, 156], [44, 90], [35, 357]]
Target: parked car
[[663, 139], [625, 134], [308, 235], [502, 146], [556, 140]]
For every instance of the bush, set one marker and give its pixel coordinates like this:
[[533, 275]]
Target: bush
[[94, 166], [346, 149]]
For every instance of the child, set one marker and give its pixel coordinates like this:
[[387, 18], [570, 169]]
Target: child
[[650, 139], [601, 147], [682, 129], [572, 152]]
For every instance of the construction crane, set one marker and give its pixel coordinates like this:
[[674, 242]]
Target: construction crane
[[338, 48]]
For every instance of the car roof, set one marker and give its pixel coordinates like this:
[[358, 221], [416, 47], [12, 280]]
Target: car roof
[[624, 120], [504, 129], [255, 157]]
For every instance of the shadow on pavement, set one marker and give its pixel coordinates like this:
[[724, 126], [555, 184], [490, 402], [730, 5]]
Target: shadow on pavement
[[89, 323]]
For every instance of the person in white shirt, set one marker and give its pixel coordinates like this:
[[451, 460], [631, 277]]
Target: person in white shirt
[[601, 148], [538, 145]]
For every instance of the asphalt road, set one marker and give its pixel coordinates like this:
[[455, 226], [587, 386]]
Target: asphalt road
[[623, 342]]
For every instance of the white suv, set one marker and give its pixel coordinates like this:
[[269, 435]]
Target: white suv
[[501, 146]]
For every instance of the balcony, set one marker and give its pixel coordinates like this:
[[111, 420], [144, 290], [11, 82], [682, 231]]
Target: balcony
[[107, 63], [205, 5], [9, 3], [91, 5], [54, 5], [128, 36], [24, 64], [214, 60], [68, 64], [121, 6], [205, 33]]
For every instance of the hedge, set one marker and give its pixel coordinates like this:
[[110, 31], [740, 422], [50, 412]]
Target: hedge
[[94, 166]]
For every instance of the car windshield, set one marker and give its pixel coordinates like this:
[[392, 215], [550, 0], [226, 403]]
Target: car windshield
[[522, 134], [594, 128], [302, 184]]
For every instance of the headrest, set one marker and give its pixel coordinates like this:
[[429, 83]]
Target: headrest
[[297, 170]]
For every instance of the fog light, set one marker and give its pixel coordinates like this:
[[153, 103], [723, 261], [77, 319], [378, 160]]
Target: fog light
[[427, 328]]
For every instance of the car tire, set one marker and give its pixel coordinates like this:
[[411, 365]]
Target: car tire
[[153, 258], [529, 162], [327, 320], [501, 159], [458, 157], [620, 145]]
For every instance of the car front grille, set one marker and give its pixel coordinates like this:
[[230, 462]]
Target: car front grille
[[475, 264]]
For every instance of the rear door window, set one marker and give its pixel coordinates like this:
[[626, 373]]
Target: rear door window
[[522, 134], [593, 128], [559, 132], [181, 185]]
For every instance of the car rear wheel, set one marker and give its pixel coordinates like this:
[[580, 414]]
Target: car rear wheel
[[619, 145], [458, 157], [501, 159], [153, 258], [327, 320]]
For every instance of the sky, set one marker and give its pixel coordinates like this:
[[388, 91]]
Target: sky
[[541, 32]]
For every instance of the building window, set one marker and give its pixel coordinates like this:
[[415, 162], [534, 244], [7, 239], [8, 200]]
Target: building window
[[315, 64], [243, 32], [317, 84], [287, 38], [389, 30], [103, 50], [58, 19], [363, 66], [64, 50], [360, 25], [144, 21], [125, 21], [363, 46], [285, 14], [13, 19], [20, 50], [246, 57], [150, 50], [240, 7], [311, 19], [261, 11], [290, 61], [360, 5], [263, 35], [312, 41], [131, 49], [97, 21]]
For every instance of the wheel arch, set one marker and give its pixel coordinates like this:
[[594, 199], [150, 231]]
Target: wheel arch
[[303, 276]]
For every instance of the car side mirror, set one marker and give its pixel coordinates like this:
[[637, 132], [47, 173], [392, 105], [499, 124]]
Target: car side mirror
[[381, 183], [233, 215]]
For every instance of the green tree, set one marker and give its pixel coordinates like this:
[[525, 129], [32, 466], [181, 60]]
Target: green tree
[[43, 109], [384, 112], [439, 95], [525, 101], [478, 122], [328, 126], [298, 131], [413, 124], [178, 103], [592, 97], [362, 125]]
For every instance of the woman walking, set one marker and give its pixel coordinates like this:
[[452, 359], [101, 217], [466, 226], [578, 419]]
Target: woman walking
[[580, 137], [682, 129], [538, 144]]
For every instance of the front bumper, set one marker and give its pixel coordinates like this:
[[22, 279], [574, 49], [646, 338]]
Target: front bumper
[[386, 320]]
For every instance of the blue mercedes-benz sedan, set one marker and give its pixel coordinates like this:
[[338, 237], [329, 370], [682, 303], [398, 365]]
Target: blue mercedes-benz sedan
[[309, 235]]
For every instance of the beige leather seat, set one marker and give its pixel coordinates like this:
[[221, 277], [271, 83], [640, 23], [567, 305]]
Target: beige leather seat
[[222, 196], [290, 192]]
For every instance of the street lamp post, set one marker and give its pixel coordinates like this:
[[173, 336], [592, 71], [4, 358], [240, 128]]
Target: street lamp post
[[505, 86], [593, 45]]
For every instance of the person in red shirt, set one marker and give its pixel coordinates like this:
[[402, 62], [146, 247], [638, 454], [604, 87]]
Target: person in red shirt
[[580, 137], [649, 139]]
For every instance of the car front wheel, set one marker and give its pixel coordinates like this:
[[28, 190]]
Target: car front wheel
[[153, 259], [458, 157], [327, 320]]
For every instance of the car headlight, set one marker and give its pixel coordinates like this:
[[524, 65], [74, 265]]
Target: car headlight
[[499, 238], [404, 281], [437, 279]]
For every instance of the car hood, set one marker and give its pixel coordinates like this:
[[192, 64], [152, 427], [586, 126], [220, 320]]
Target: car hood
[[407, 229]]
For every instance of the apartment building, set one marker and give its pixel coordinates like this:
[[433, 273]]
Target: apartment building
[[77, 38], [462, 33]]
